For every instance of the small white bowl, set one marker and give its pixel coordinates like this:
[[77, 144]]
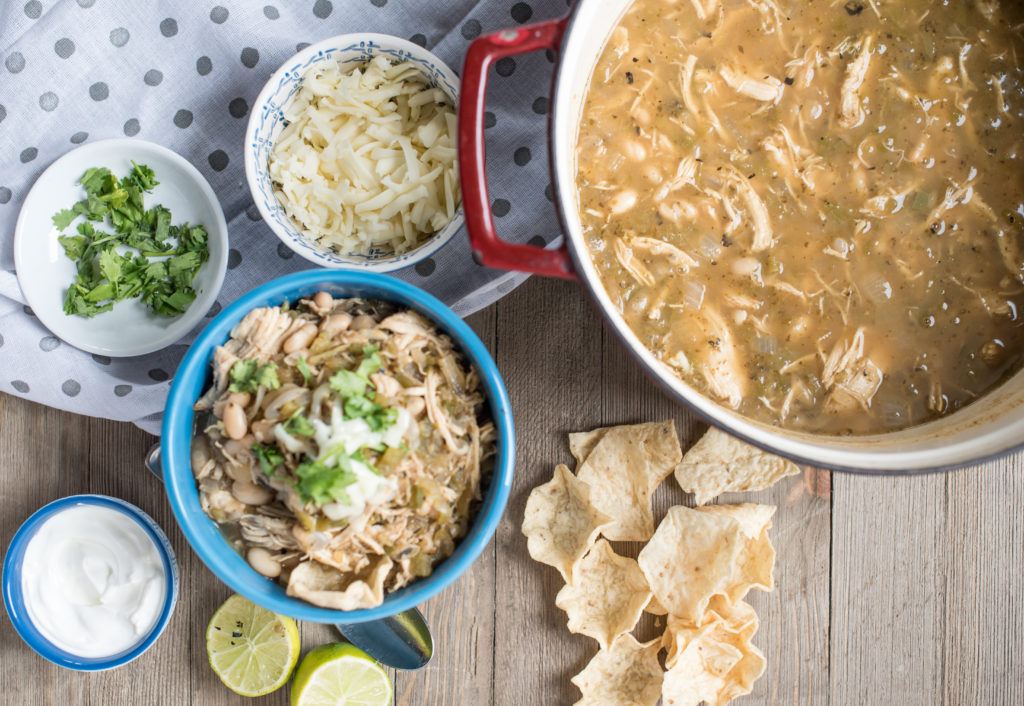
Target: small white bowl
[[45, 272], [267, 120]]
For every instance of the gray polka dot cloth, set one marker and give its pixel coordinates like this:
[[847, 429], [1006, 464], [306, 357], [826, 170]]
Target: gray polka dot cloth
[[184, 75]]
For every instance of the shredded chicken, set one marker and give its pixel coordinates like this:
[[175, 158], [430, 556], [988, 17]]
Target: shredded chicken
[[851, 112], [765, 88], [760, 219]]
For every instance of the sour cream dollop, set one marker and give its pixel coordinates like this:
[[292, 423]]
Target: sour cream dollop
[[93, 581]]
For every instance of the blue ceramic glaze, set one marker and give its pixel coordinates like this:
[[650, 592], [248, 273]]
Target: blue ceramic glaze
[[193, 377]]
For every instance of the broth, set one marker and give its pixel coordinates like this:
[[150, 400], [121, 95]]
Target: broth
[[814, 212]]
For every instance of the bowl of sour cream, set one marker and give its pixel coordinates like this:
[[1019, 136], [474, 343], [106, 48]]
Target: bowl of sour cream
[[90, 582]]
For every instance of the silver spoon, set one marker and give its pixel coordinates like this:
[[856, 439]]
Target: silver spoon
[[402, 641]]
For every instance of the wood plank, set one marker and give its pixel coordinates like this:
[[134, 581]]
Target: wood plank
[[890, 551], [116, 454], [794, 632], [549, 349], [461, 617], [984, 584], [44, 455]]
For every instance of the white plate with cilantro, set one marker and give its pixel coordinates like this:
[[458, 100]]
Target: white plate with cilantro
[[121, 247]]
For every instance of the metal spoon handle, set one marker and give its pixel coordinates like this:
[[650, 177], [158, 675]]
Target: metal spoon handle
[[402, 641]]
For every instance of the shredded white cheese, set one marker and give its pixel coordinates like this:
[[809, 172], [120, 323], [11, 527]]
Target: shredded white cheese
[[367, 160]]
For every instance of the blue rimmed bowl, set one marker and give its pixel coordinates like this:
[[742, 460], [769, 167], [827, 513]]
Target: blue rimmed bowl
[[266, 122], [18, 611], [194, 376]]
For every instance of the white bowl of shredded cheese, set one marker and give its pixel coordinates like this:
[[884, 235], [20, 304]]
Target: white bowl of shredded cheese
[[350, 153]]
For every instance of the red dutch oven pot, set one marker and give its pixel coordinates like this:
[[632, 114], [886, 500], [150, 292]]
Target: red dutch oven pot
[[989, 427]]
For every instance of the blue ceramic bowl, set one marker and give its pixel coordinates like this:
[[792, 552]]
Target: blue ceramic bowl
[[14, 598], [266, 122], [193, 377]]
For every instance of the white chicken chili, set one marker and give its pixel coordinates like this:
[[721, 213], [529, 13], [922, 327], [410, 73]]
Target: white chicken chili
[[343, 447], [814, 212], [93, 581]]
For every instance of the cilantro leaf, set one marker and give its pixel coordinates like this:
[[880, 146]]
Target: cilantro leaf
[[298, 425], [247, 375], [270, 457], [370, 364], [62, 219], [143, 176], [320, 484], [376, 416], [347, 383], [303, 367], [241, 373], [74, 245]]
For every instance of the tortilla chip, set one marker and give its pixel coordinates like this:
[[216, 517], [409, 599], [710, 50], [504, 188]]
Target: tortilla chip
[[626, 673], [327, 587], [690, 558], [756, 559], [738, 618], [720, 463], [623, 468], [581, 443], [655, 608], [713, 661], [561, 523], [606, 597]]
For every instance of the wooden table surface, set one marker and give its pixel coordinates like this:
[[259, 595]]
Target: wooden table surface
[[889, 590]]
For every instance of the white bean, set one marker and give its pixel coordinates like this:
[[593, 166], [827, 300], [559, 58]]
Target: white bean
[[323, 300], [263, 562], [362, 322], [240, 398], [234, 420], [200, 455], [336, 323], [635, 151], [301, 338], [622, 201], [746, 266], [250, 493]]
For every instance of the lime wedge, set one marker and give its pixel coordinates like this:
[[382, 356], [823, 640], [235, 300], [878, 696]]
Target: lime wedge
[[252, 650], [340, 675]]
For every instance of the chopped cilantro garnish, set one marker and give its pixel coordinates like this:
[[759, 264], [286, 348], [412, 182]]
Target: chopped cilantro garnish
[[303, 367], [370, 364], [248, 375], [298, 425], [320, 484], [113, 266], [270, 457], [347, 384], [351, 386]]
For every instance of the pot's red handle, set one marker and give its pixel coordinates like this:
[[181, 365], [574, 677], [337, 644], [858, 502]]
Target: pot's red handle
[[488, 249]]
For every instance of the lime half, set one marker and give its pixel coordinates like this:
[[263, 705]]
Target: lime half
[[340, 675], [252, 650]]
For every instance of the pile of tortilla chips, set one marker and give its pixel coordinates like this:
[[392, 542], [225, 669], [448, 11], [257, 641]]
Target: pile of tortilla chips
[[696, 567]]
